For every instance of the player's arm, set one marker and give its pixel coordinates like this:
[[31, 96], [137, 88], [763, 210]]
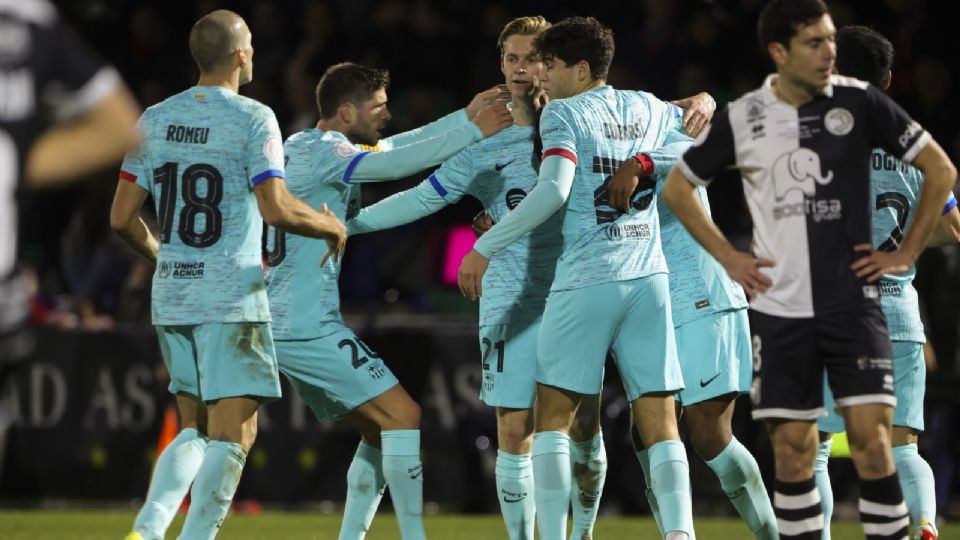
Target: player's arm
[[398, 209], [623, 184], [280, 209], [947, 231], [698, 110], [498, 95], [552, 190], [126, 221], [409, 159]]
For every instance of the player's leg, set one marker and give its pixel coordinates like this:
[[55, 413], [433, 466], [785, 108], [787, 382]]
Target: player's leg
[[645, 352], [179, 461], [508, 359], [828, 425], [644, 458], [575, 335], [915, 474], [859, 363], [716, 359], [787, 394], [588, 467], [365, 480], [238, 372]]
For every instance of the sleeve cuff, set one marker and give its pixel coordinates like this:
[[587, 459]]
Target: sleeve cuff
[[482, 248], [691, 176], [560, 152], [353, 166], [130, 177], [951, 204], [270, 173], [442, 191], [647, 164], [911, 153], [474, 130]]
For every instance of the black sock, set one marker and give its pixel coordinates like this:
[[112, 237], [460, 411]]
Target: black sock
[[882, 510], [797, 506]]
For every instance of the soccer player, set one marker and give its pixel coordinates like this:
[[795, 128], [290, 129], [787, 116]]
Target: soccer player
[[329, 366], [865, 54], [802, 143], [610, 291], [713, 345], [210, 158]]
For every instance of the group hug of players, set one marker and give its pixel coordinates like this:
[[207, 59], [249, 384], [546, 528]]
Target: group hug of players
[[590, 195]]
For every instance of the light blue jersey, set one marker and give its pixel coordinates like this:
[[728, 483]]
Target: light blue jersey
[[895, 190], [598, 130], [203, 150], [699, 286], [499, 172]]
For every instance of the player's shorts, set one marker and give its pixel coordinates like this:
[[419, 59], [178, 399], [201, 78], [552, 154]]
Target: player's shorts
[[909, 383], [791, 354], [631, 319], [508, 353], [715, 356], [334, 374], [219, 360]]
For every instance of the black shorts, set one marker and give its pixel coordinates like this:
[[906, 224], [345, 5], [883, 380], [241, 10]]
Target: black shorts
[[790, 357]]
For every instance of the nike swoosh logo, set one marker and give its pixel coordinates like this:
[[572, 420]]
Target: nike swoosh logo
[[500, 167], [509, 500], [710, 380]]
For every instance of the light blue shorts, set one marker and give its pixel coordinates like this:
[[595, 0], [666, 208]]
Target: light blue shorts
[[508, 353], [334, 374], [631, 319], [909, 385], [220, 360], [715, 356]]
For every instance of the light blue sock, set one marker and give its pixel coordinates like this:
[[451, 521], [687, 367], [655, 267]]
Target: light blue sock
[[822, 477], [740, 479], [404, 474], [365, 485], [670, 474], [213, 490], [172, 475], [916, 481], [551, 484], [515, 491], [644, 457], [588, 472]]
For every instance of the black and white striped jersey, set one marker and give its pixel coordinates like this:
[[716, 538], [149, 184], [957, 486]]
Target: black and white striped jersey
[[806, 179]]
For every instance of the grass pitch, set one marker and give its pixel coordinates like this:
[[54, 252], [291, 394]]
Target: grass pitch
[[96, 524]]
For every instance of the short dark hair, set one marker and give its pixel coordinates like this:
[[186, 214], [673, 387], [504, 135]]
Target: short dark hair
[[579, 38], [780, 19], [864, 53], [348, 83]]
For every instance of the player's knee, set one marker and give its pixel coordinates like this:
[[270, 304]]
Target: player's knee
[[872, 455], [515, 438], [794, 459], [407, 416]]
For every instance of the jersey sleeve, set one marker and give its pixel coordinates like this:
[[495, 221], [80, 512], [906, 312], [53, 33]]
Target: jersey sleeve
[[454, 178], [891, 128], [134, 167], [412, 158], [556, 132], [264, 148], [711, 152], [398, 209], [451, 121]]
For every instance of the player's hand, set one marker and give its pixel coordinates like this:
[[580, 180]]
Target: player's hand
[[744, 268], [482, 223], [337, 238], [877, 263], [492, 119], [471, 273], [623, 183], [698, 111], [497, 95]]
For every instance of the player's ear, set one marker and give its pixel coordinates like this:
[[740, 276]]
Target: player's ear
[[583, 70], [777, 51], [347, 112]]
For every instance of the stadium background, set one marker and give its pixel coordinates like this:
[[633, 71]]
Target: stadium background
[[91, 406]]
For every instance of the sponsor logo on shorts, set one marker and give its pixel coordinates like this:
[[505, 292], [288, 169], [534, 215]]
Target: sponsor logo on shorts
[[180, 270], [376, 371], [488, 381], [702, 304], [703, 384], [864, 363]]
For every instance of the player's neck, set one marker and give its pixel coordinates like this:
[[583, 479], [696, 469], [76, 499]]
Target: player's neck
[[332, 124], [789, 92], [230, 81], [522, 111], [592, 84]]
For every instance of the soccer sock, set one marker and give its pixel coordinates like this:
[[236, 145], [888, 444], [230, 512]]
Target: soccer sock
[[213, 489], [670, 477], [797, 505], [644, 457], [404, 474], [515, 490], [822, 477], [740, 479], [916, 481], [882, 511], [172, 475], [365, 485], [588, 471], [551, 484]]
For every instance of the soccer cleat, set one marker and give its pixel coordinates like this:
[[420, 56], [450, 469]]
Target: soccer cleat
[[134, 535], [925, 531]]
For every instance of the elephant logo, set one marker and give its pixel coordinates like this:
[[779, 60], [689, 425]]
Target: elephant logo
[[799, 169]]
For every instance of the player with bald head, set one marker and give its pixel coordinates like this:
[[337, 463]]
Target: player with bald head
[[211, 159]]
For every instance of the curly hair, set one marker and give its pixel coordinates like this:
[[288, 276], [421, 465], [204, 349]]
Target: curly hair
[[348, 83], [780, 20], [579, 38], [864, 53]]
